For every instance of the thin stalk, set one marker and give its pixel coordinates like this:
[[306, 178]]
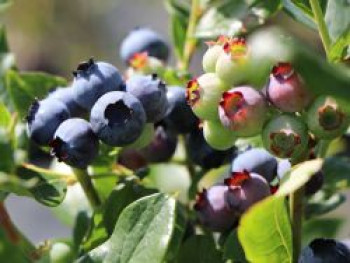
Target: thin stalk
[[322, 27], [89, 189], [191, 41], [296, 217]]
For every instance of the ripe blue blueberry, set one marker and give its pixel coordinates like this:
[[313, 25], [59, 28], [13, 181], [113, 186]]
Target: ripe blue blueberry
[[151, 92], [202, 154], [256, 160], [94, 79], [180, 117], [162, 147], [118, 118], [66, 95], [75, 143], [143, 40], [323, 250], [43, 119]]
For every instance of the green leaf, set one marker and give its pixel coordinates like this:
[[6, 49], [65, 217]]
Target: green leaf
[[49, 188], [144, 232], [81, 228], [233, 249], [214, 23], [338, 51], [121, 196], [322, 203], [292, 9], [319, 75], [265, 232], [199, 249], [321, 227], [25, 87], [337, 173], [178, 33], [5, 116], [337, 18], [299, 176], [96, 234]]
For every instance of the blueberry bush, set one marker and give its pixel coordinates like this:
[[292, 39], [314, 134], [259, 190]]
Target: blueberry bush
[[237, 164]]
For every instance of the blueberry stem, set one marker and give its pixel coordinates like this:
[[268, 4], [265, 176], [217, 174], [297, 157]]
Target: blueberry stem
[[296, 217], [85, 181], [190, 41], [323, 148], [322, 27], [15, 237]]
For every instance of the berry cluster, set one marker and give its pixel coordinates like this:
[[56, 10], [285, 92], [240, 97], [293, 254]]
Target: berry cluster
[[287, 115], [290, 120], [137, 111]]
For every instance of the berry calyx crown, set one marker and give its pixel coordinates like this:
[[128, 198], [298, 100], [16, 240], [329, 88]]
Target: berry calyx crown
[[192, 92], [237, 178], [236, 48]]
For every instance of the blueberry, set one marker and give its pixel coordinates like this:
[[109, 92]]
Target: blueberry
[[245, 189], [286, 90], [43, 119], [283, 168], [203, 94], [213, 210], [144, 40], [66, 95], [220, 207], [75, 143], [132, 158], [256, 160], [217, 136], [213, 52], [92, 80], [118, 118], [232, 64], [180, 117], [151, 92], [323, 250], [162, 147], [314, 184], [243, 110], [286, 136], [202, 154], [326, 118]]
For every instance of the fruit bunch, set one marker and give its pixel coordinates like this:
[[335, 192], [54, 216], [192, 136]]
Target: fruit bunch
[[288, 116], [136, 112]]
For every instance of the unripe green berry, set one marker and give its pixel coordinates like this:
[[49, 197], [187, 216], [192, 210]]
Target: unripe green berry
[[232, 64], [217, 136], [326, 118], [285, 136], [210, 58], [61, 253], [203, 95]]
